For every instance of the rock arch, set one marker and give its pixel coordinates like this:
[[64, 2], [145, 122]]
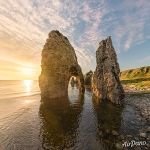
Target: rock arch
[[59, 63]]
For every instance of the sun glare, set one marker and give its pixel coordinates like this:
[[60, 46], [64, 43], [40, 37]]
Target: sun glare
[[28, 85], [27, 71]]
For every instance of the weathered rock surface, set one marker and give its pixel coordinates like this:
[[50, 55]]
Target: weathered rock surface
[[105, 82], [88, 78], [59, 64], [141, 102]]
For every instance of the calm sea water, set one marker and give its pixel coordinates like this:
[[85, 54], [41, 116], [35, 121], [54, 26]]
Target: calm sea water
[[75, 122]]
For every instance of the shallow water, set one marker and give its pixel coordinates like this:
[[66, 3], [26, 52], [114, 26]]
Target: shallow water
[[76, 122]]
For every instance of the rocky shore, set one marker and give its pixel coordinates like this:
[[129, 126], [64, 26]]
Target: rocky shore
[[141, 105], [132, 88], [141, 102], [134, 128]]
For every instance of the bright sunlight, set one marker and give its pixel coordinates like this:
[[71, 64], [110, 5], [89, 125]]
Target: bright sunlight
[[27, 84], [28, 71]]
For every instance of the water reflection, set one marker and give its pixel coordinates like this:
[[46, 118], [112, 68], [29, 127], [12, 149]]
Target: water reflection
[[68, 123], [27, 85], [60, 120], [108, 123]]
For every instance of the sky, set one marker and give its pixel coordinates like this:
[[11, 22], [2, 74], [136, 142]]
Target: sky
[[25, 24]]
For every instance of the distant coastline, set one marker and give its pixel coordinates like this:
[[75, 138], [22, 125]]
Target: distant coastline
[[136, 80]]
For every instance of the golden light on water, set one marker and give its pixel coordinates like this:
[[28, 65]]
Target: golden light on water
[[27, 88], [27, 101], [27, 85]]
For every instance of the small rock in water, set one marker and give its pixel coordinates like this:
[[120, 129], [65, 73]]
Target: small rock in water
[[107, 131], [100, 133], [143, 135], [115, 133], [118, 146], [138, 148], [148, 129], [129, 136], [121, 137], [136, 138], [148, 145], [148, 138]]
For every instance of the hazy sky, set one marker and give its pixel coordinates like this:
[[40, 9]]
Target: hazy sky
[[25, 24]]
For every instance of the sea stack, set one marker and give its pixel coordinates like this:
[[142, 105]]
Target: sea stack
[[88, 79], [106, 84], [59, 63]]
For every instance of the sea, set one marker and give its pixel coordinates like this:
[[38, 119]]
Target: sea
[[73, 123]]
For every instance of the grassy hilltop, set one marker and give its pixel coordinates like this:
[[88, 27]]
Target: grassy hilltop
[[143, 72], [136, 79]]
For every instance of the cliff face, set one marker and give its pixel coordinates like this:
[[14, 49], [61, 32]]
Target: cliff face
[[105, 82], [137, 73], [59, 63]]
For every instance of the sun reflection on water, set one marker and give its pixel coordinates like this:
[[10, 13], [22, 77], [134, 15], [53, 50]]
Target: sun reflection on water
[[27, 85], [27, 88]]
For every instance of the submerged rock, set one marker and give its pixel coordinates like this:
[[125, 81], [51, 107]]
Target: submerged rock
[[142, 134], [105, 82], [115, 133], [59, 63], [119, 146]]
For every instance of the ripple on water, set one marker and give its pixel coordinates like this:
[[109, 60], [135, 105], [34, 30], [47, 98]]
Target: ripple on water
[[72, 123]]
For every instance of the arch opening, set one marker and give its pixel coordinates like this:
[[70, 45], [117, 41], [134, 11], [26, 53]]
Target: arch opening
[[76, 78], [59, 63]]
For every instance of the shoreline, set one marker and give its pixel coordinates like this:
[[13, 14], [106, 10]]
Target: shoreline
[[141, 101]]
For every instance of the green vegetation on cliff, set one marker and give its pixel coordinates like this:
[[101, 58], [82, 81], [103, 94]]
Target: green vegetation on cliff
[[143, 72], [136, 79]]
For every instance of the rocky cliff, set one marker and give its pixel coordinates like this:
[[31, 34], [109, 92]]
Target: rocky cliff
[[59, 64], [137, 73], [105, 82]]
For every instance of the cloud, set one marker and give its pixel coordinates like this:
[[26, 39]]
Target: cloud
[[24, 26], [130, 25], [93, 16]]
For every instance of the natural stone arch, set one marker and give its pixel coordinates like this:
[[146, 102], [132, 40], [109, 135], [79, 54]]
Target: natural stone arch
[[77, 72], [59, 63]]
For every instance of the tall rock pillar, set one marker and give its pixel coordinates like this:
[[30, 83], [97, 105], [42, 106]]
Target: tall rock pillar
[[106, 84]]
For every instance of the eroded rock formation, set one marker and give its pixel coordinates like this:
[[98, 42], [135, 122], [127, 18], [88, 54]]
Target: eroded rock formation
[[59, 64], [88, 78], [105, 82]]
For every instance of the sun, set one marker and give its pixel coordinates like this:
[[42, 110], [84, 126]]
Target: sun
[[27, 71]]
